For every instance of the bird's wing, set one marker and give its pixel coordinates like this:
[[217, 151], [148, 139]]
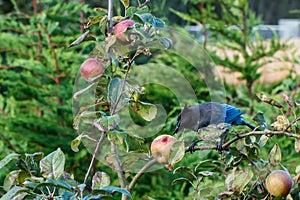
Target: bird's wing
[[211, 113], [233, 114]]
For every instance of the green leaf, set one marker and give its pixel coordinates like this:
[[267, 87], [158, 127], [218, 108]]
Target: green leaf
[[125, 3], [76, 142], [100, 179], [8, 158], [116, 137], [37, 156], [130, 11], [145, 18], [11, 194], [158, 23], [181, 180], [91, 21], [275, 155], [117, 96], [107, 123], [207, 164], [56, 183], [83, 115], [182, 169], [52, 166], [147, 111], [80, 39], [112, 189], [10, 179], [103, 25], [98, 196], [177, 152]]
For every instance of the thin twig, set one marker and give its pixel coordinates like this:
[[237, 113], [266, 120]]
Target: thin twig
[[143, 4], [140, 173], [94, 156], [291, 124]]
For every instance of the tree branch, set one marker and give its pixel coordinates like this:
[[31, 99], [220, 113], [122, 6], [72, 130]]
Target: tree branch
[[117, 166], [140, 173], [241, 136]]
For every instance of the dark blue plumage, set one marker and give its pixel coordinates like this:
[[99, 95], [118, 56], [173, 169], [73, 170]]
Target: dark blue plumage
[[201, 115]]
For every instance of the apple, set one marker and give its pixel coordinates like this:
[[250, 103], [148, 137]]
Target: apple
[[161, 148], [91, 68], [279, 183], [120, 28]]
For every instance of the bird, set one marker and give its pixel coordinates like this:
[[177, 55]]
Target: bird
[[208, 113]]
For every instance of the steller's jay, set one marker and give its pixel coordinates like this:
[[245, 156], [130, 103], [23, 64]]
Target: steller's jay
[[205, 114]]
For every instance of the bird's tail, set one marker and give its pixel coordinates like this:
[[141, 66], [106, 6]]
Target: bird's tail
[[247, 124], [177, 125]]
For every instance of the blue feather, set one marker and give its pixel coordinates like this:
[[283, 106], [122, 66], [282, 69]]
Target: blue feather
[[233, 115]]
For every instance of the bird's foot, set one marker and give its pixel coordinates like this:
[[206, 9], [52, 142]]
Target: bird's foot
[[219, 147], [191, 148]]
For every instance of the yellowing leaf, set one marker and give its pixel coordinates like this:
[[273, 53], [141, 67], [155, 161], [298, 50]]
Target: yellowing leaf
[[76, 142], [275, 155], [147, 111], [297, 145], [281, 123], [125, 3], [116, 137], [268, 100]]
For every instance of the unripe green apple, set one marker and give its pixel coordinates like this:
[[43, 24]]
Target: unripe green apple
[[161, 148], [279, 183], [91, 68], [120, 28]]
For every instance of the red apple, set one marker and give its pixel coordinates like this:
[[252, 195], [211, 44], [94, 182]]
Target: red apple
[[120, 28], [279, 183], [91, 68], [161, 148]]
